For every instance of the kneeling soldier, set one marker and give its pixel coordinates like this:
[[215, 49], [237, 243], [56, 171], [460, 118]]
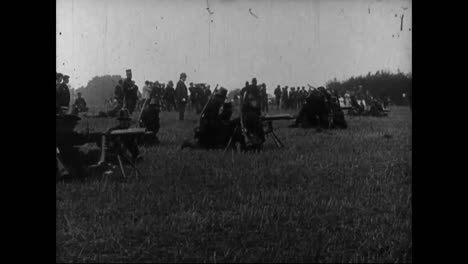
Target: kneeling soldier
[[150, 120]]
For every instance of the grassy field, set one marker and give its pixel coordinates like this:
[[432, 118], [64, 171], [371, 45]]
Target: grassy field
[[334, 196]]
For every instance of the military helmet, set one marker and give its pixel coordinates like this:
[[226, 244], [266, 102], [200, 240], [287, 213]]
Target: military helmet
[[124, 115]]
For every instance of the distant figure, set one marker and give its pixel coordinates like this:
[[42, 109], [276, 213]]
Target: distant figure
[[58, 81], [169, 96], [264, 97], [80, 104], [63, 93], [277, 97], [150, 120], [285, 98], [130, 92], [147, 90], [251, 112], [192, 96], [181, 94]]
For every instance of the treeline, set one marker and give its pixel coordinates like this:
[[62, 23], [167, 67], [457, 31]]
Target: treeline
[[381, 84], [99, 89]]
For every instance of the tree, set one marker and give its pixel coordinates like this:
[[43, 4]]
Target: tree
[[99, 89]]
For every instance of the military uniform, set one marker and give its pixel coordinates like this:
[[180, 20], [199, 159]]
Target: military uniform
[[150, 120], [80, 104], [251, 114], [67, 142], [62, 95], [278, 96], [215, 128], [181, 94], [130, 91]]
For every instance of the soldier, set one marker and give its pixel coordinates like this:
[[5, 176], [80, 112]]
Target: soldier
[[251, 113], [130, 92], [181, 95], [169, 96], [200, 99], [292, 98], [71, 163], [62, 93], [80, 104], [285, 98], [314, 113], [277, 96], [264, 97], [58, 81], [215, 128], [125, 142], [192, 96], [147, 90], [150, 120]]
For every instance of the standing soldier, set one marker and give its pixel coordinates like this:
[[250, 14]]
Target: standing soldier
[[58, 81], [264, 97], [181, 95], [292, 98], [63, 93], [80, 104], [130, 92], [277, 96], [118, 93], [147, 90], [192, 96], [169, 96], [199, 98], [285, 98]]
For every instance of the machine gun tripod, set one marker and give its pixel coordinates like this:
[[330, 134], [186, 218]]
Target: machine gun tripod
[[118, 151], [267, 122]]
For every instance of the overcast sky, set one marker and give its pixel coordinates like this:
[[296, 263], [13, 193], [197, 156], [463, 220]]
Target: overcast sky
[[278, 42]]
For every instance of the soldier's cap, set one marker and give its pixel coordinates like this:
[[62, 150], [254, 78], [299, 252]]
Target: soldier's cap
[[124, 115], [183, 75], [59, 75], [128, 70], [66, 76], [221, 92]]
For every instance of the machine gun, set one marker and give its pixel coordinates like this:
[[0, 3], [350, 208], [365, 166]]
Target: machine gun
[[268, 123], [118, 152]]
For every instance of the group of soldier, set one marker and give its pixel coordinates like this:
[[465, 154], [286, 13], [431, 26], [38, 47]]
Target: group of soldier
[[63, 96], [319, 107], [292, 99]]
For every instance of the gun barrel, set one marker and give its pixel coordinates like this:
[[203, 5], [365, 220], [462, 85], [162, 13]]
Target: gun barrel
[[277, 117], [130, 131]]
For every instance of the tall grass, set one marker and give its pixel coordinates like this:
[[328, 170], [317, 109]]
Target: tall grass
[[335, 196]]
